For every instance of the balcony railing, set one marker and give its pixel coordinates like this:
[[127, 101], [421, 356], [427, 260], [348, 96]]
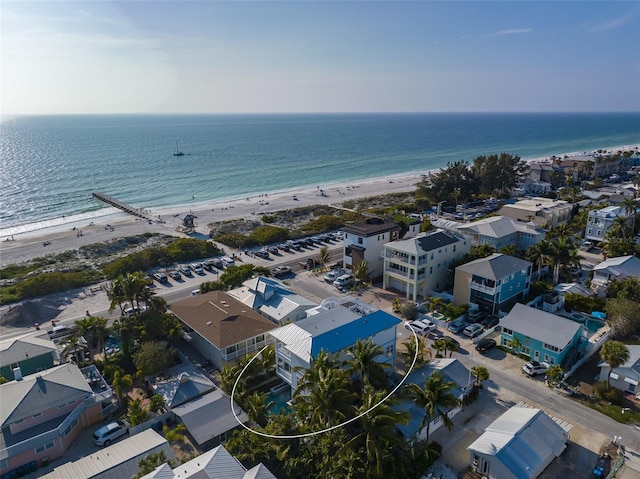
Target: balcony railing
[[400, 273], [284, 374], [482, 287]]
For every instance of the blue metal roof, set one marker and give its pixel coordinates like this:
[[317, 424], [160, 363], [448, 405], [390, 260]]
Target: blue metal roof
[[346, 335]]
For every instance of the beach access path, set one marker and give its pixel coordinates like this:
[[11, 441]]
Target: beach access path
[[39, 243]]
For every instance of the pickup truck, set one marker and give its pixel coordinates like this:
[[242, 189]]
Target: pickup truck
[[280, 271]]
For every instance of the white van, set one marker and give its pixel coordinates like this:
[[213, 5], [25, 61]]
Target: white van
[[343, 281], [227, 261], [331, 276]]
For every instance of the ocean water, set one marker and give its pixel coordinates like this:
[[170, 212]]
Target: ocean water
[[50, 165]]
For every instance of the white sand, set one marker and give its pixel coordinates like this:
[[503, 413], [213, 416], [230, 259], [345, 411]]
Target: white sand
[[30, 245]]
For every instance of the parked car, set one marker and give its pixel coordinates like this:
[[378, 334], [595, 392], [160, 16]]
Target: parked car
[[280, 271], [197, 268], [421, 328], [227, 261], [262, 253], [60, 331], [284, 247], [490, 322], [485, 345], [586, 246], [161, 277], [473, 330], [457, 326], [331, 276], [213, 263], [175, 274], [343, 281], [534, 368], [131, 311], [475, 316], [186, 271], [105, 435], [273, 250]]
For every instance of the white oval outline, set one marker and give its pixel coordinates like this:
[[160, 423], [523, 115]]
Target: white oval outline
[[309, 434]]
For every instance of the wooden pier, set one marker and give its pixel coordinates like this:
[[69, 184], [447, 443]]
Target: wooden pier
[[123, 206]]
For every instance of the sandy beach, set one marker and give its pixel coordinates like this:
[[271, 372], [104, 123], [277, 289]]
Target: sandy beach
[[30, 245]]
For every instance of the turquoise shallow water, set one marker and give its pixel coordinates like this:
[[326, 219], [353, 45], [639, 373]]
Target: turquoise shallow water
[[50, 165]]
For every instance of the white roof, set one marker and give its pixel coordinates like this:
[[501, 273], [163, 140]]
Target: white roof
[[524, 439], [117, 461], [297, 340], [499, 227], [621, 266]]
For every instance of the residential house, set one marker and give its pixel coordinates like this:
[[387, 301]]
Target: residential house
[[334, 326], [614, 268], [453, 371], [43, 413], [209, 419], [554, 301], [29, 353], [549, 173], [542, 211], [180, 384], [422, 264], [222, 328], [494, 283], [365, 242], [214, 464], [272, 299], [520, 444], [529, 186], [543, 336], [500, 231], [117, 461], [627, 376], [599, 222]]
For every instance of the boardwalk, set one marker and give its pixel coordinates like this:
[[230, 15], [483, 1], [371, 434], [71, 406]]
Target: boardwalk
[[123, 206]]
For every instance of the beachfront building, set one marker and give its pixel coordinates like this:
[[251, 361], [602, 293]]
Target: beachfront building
[[520, 444], [117, 461], [451, 370], [222, 328], [42, 414], [625, 377], [500, 231], [29, 353], [365, 242], [544, 212], [599, 222], [422, 264], [542, 336], [272, 299], [614, 269], [494, 283], [334, 326], [214, 464]]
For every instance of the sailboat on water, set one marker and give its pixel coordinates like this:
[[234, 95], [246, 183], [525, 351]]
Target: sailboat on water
[[178, 152]]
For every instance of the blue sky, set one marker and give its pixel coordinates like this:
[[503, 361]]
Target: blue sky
[[219, 57]]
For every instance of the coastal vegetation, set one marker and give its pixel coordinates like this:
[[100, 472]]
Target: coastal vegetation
[[329, 393]]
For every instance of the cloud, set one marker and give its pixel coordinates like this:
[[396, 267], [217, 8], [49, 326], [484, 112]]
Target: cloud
[[616, 22], [514, 31]]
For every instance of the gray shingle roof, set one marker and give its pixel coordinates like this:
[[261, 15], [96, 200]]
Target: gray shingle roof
[[537, 324], [15, 350], [496, 266], [42, 391]]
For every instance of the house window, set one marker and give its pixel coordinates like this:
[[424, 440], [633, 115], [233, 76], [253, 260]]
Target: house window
[[507, 331], [599, 232], [260, 338], [359, 240], [550, 348], [389, 351], [526, 350], [73, 424], [44, 447], [231, 349], [454, 248]]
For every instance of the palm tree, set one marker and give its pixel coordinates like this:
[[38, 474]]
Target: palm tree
[[323, 256], [257, 407], [510, 250], [377, 434], [320, 366], [615, 354], [122, 384], [361, 272], [150, 462], [409, 352], [435, 397], [451, 346], [515, 344], [439, 345], [539, 253], [73, 343], [630, 206], [94, 330], [620, 228], [554, 374], [363, 363], [480, 373], [136, 413]]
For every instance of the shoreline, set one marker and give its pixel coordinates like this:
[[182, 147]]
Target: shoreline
[[75, 231], [106, 214]]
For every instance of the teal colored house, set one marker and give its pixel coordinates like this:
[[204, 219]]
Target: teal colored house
[[543, 336], [30, 354]]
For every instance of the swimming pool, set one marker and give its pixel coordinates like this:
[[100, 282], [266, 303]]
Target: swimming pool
[[278, 398], [591, 323]]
